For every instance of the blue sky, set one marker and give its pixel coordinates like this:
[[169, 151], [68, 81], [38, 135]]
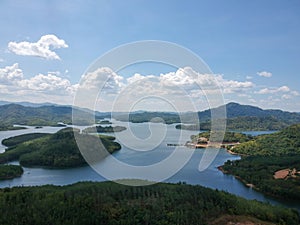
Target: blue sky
[[253, 47]]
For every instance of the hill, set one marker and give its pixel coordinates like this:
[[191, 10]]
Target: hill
[[239, 117], [111, 203], [245, 117], [57, 150], [267, 155], [48, 115]]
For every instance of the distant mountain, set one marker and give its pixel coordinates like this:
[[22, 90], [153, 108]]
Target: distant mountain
[[240, 117], [235, 110], [42, 116], [29, 104], [243, 117]]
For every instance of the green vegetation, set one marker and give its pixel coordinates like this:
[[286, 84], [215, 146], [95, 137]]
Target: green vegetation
[[10, 171], [102, 129], [111, 203], [245, 117], [105, 122], [259, 170], [10, 127], [228, 137], [11, 114], [57, 150], [246, 123], [264, 156], [283, 142], [143, 117], [12, 141]]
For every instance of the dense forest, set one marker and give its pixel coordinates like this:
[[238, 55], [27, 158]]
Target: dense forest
[[110, 203], [57, 150], [13, 141], [264, 156], [10, 171], [48, 115], [104, 129], [228, 136], [245, 123], [240, 117]]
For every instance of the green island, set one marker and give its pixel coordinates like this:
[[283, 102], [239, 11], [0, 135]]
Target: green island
[[104, 129], [10, 171], [104, 122], [4, 127], [110, 203], [270, 163], [57, 150]]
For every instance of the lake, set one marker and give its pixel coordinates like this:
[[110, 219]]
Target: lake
[[145, 144]]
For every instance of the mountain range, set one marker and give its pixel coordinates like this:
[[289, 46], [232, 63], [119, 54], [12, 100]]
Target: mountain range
[[239, 116]]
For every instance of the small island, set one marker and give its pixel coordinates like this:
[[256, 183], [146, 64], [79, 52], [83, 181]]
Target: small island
[[103, 129], [10, 127], [10, 171], [58, 150], [103, 122]]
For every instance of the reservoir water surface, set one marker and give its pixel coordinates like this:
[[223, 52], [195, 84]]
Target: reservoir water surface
[[145, 144]]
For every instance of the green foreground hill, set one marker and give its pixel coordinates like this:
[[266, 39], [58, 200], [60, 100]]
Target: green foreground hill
[[110, 203], [266, 155], [59, 150]]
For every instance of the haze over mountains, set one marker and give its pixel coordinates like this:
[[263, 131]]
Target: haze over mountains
[[45, 114]]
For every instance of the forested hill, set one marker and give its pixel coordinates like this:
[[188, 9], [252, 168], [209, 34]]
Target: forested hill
[[110, 203], [234, 110], [47, 115], [58, 150], [246, 117], [268, 155], [240, 117], [286, 141]]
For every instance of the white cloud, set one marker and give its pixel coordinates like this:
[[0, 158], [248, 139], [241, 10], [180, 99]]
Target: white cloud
[[102, 79], [41, 48], [273, 90], [295, 93], [136, 77], [286, 96], [49, 87], [10, 74], [47, 82], [264, 74], [233, 86]]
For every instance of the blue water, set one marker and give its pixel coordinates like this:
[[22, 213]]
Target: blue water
[[135, 142]]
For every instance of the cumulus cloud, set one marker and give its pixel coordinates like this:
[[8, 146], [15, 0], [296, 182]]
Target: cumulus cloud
[[103, 79], [13, 82], [264, 74], [10, 74], [47, 82], [42, 48], [273, 90]]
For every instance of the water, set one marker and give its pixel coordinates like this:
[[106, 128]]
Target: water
[[136, 151]]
